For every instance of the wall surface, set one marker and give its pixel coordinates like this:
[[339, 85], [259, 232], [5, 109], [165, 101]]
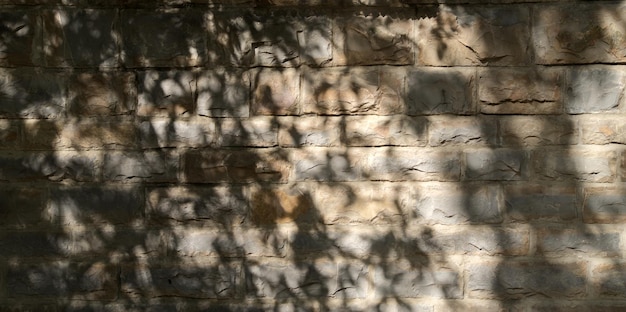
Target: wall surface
[[330, 155]]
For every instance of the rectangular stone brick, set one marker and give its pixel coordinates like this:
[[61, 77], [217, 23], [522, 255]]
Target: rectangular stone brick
[[368, 202], [475, 35], [223, 93], [41, 134], [30, 245], [527, 203], [580, 242], [259, 131], [23, 207], [373, 40], [579, 33], [118, 242], [440, 91], [235, 166], [310, 131], [608, 279], [166, 93], [405, 279], [94, 134], [63, 279], [85, 205], [276, 38], [193, 242], [10, 134], [80, 38], [189, 280], [537, 130], [58, 166], [581, 305], [19, 31], [182, 43], [603, 129], [219, 205], [32, 93], [474, 240], [395, 130], [148, 166], [520, 90], [276, 92], [102, 94], [604, 205], [457, 204], [448, 130], [575, 165], [193, 132], [368, 90], [270, 205], [496, 164], [332, 164], [522, 279], [595, 89]]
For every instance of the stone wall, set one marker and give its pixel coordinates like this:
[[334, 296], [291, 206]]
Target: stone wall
[[329, 155]]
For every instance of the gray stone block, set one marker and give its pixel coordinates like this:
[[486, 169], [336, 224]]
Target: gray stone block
[[223, 93], [440, 91], [562, 242], [604, 204], [594, 89], [80, 38], [496, 164], [148, 166], [410, 280], [575, 165], [528, 203], [32, 93], [166, 93], [538, 130], [155, 38]]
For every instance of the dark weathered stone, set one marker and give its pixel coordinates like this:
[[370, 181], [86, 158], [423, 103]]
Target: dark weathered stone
[[440, 91], [50, 166], [529, 203], [102, 94], [19, 32], [32, 93], [23, 208]]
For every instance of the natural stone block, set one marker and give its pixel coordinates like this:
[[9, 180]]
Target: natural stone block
[[190, 242], [457, 204], [603, 129], [595, 89], [475, 35], [496, 164], [411, 164], [310, 131], [537, 130], [475, 241], [521, 279], [608, 279], [217, 205], [269, 38], [405, 279], [575, 165], [35, 245], [10, 134], [276, 92], [188, 280], [235, 166], [148, 166], [579, 33], [58, 166], [92, 134], [280, 205], [102, 94], [529, 203], [19, 31], [63, 279], [373, 39], [80, 38], [32, 93], [579, 242], [22, 208], [259, 131], [440, 91], [604, 205], [321, 164], [276, 280], [177, 133], [166, 93], [223, 93], [520, 90], [461, 130], [182, 43], [353, 91], [384, 130]]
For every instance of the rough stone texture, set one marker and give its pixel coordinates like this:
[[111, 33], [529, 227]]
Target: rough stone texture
[[440, 91], [312, 155], [359, 90], [579, 33], [163, 38], [595, 89], [520, 91], [466, 35]]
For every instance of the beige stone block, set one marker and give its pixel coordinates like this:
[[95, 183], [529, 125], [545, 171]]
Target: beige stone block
[[310, 131], [603, 129], [537, 130], [384, 130], [276, 92]]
